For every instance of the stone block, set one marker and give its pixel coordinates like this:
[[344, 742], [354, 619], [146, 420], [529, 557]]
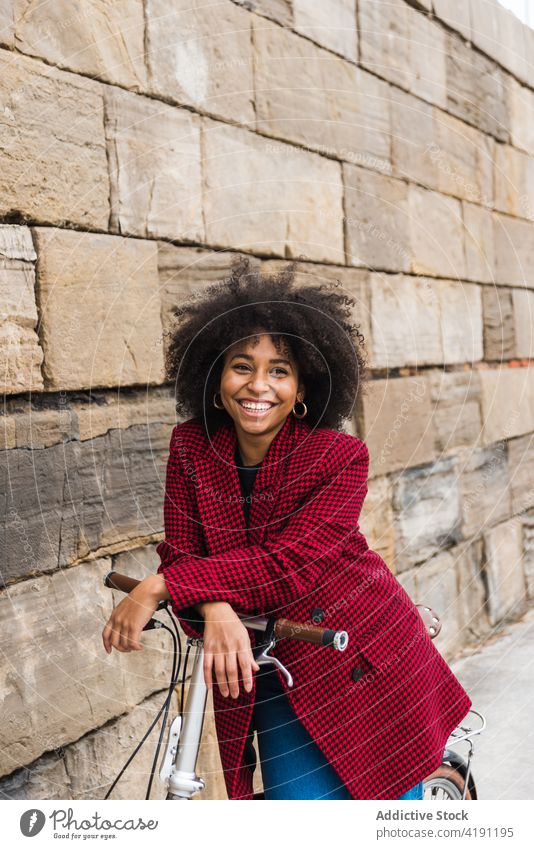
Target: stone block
[[507, 589], [394, 418], [100, 309], [100, 40], [528, 551], [331, 24], [377, 223], [313, 97], [472, 597], [463, 158], [200, 55], [507, 403], [388, 33], [461, 321], [513, 250], [73, 499], [405, 321], [436, 234], [455, 400], [455, 13], [301, 208], [484, 486], [521, 471], [413, 131], [154, 153], [499, 332], [20, 353], [478, 242], [427, 512], [437, 587], [53, 164], [523, 311], [514, 181], [7, 23], [64, 684], [476, 89], [377, 520]]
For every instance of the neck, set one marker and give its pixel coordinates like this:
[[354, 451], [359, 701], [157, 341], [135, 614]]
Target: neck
[[254, 447]]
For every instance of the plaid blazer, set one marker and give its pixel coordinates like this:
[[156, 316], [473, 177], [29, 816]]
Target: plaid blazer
[[381, 711]]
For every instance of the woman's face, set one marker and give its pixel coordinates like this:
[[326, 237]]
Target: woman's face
[[265, 379]]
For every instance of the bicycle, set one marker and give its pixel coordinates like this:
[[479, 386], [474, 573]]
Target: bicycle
[[451, 781]]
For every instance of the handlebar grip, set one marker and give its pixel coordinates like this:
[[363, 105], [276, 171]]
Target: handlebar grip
[[124, 583], [311, 633]]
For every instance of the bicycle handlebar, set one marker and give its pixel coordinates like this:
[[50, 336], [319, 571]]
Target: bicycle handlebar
[[282, 628]]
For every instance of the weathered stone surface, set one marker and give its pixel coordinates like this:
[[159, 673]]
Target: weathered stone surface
[[499, 335], [7, 24], [514, 251], [405, 321], [484, 486], [472, 591], [277, 199], [504, 570], [332, 24], [437, 587], [44, 778], [463, 158], [311, 96], [476, 89], [53, 165], [528, 551], [200, 54], [65, 502], [377, 222], [455, 400], [64, 683], [412, 137], [461, 322], [455, 13], [278, 10], [394, 418], [154, 152], [427, 512], [95, 38], [184, 272], [388, 32], [499, 33], [507, 403], [20, 353], [478, 241], [377, 520], [355, 281], [521, 471], [100, 310], [436, 234], [523, 312], [514, 181]]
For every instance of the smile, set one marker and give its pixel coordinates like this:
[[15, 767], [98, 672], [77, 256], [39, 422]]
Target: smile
[[258, 408]]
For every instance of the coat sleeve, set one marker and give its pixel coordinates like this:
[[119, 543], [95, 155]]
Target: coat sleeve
[[184, 541], [267, 577]]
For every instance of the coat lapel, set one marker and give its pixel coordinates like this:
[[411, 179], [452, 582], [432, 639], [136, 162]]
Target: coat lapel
[[219, 494]]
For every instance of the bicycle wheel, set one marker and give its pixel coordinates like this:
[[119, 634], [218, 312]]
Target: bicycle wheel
[[446, 782]]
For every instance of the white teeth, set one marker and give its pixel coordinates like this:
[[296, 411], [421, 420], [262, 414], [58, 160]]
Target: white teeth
[[261, 407]]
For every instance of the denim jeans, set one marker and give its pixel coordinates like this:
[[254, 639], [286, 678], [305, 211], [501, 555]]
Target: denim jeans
[[292, 765]]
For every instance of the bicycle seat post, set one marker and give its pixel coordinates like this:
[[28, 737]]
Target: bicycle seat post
[[183, 782]]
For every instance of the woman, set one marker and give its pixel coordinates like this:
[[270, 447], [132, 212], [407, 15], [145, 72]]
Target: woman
[[263, 497]]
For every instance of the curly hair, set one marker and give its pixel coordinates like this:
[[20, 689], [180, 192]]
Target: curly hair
[[314, 322]]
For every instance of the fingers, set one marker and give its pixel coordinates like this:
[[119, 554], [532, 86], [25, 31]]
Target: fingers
[[247, 664], [220, 673], [122, 638], [208, 664]]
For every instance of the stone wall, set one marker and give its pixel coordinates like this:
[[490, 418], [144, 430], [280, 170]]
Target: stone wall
[[387, 145]]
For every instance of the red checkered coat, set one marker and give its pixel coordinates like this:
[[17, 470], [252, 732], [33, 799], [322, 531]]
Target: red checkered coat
[[382, 710]]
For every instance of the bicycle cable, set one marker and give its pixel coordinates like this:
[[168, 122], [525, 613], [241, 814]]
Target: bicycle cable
[[175, 674]]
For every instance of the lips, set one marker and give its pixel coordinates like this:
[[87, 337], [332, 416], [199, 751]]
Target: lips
[[256, 411]]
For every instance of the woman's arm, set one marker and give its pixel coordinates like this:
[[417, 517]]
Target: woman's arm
[[276, 573]]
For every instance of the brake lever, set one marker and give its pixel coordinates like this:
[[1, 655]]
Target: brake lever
[[262, 657]]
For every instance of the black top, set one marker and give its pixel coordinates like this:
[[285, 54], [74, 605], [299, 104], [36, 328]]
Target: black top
[[247, 475]]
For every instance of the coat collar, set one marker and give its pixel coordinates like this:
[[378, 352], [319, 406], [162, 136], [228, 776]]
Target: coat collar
[[219, 492]]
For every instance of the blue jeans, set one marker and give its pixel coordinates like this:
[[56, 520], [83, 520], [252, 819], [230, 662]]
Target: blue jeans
[[292, 765]]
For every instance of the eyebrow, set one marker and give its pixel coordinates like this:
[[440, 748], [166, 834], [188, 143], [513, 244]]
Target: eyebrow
[[249, 357]]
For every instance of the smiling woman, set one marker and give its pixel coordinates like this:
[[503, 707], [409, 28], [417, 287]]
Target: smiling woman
[[263, 497]]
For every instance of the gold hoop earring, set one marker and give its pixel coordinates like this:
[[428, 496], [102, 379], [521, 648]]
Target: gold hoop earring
[[305, 413], [215, 401]]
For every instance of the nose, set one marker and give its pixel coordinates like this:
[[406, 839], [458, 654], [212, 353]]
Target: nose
[[258, 383]]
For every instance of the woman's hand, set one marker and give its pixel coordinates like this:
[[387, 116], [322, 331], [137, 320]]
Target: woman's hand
[[128, 619], [227, 647]]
